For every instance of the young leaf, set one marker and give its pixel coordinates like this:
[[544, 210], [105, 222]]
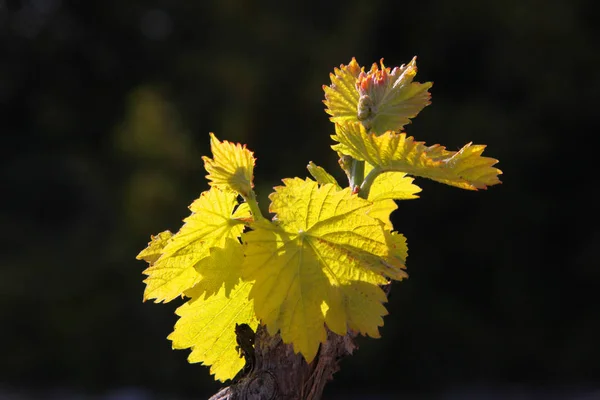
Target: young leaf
[[212, 222], [321, 262], [389, 98], [207, 326], [465, 168], [320, 174], [231, 167], [382, 99], [391, 185], [341, 98]]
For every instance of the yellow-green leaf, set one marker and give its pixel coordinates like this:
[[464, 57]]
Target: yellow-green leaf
[[393, 185], [388, 98], [207, 326], [222, 268], [320, 263], [381, 209], [381, 99], [364, 307], [465, 168], [397, 242], [211, 223], [320, 174], [231, 167], [341, 97], [157, 243]]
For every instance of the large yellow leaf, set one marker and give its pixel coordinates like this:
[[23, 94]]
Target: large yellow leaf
[[231, 167], [207, 326], [320, 263], [465, 168], [179, 267]]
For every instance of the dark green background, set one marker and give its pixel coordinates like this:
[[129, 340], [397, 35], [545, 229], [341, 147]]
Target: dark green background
[[105, 113]]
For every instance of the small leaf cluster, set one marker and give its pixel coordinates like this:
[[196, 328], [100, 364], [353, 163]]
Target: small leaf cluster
[[319, 263]]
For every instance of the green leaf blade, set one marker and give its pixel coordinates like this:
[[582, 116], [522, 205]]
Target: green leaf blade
[[207, 326], [215, 218], [322, 246], [391, 151]]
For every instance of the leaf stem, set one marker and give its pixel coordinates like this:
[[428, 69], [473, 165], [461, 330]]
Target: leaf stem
[[365, 187], [253, 204], [357, 174]]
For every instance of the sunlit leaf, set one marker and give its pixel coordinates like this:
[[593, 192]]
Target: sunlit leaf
[[388, 98], [222, 268], [381, 99], [151, 253], [341, 97], [320, 263], [381, 210], [393, 185], [465, 168], [211, 223], [207, 326], [231, 167], [321, 176], [397, 244]]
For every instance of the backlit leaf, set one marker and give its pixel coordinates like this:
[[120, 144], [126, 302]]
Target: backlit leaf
[[222, 268], [381, 209], [207, 326], [341, 97], [397, 243], [231, 167], [211, 223], [320, 263], [381, 99], [393, 185], [388, 98], [151, 253], [465, 168], [320, 175]]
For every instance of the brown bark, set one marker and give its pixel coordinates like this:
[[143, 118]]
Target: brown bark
[[279, 374]]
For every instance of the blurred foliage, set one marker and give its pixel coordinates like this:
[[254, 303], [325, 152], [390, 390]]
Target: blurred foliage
[[105, 112]]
